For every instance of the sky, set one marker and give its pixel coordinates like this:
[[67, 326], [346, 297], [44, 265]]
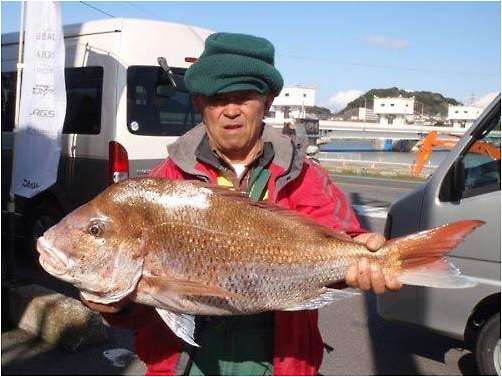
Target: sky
[[343, 49]]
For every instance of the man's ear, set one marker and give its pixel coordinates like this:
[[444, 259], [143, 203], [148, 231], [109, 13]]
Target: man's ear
[[268, 102], [197, 103]]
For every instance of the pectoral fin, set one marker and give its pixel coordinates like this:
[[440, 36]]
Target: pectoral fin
[[182, 325], [325, 297], [168, 285]]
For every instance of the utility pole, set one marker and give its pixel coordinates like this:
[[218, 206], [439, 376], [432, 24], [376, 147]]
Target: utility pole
[[473, 98]]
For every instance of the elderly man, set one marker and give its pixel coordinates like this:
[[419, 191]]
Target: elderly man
[[233, 84]]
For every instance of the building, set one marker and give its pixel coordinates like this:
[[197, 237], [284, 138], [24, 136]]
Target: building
[[292, 101], [358, 114], [463, 116], [367, 115], [393, 110]]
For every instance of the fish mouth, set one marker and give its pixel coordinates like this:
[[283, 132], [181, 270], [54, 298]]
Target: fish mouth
[[51, 259]]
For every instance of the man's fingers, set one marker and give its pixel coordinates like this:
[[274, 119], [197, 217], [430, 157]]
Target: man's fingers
[[378, 281], [105, 308], [375, 241], [362, 238], [391, 283], [363, 274], [372, 241], [351, 277]]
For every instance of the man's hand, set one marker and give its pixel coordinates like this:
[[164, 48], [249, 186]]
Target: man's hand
[[368, 276], [114, 307]]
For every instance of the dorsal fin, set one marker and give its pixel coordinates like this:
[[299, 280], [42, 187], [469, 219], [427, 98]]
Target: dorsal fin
[[242, 197]]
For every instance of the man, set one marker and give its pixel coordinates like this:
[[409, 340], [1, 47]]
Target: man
[[234, 83]]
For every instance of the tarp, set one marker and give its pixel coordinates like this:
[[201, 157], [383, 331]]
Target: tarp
[[37, 143]]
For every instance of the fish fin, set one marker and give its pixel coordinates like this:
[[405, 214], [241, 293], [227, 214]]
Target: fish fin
[[183, 325], [325, 297], [422, 255], [302, 218], [437, 274], [188, 287]]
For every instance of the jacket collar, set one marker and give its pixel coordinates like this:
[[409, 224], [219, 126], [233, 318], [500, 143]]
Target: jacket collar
[[286, 158]]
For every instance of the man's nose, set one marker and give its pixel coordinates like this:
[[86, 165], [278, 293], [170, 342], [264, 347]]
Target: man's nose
[[232, 110]]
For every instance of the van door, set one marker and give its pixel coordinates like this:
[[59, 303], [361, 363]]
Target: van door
[[468, 189], [83, 172]]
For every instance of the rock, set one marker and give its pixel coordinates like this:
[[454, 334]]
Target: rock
[[57, 319]]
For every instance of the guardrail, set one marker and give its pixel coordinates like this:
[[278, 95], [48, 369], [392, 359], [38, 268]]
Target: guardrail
[[355, 161], [331, 125], [362, 130]]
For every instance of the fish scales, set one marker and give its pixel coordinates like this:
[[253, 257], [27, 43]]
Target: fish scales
[[217, 247]]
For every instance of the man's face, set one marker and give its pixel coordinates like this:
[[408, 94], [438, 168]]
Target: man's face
[[233, 121]]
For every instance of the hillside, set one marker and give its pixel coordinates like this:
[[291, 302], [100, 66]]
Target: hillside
[[433, 103]]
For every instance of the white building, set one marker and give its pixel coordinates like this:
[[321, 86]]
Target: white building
[[463, 116], [366, 115], [292, 100], [393, 110], [358, 114]]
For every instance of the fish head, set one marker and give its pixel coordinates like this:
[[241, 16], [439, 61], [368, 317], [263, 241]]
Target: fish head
[[98, 248]]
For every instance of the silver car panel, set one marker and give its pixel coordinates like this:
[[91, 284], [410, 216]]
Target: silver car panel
[[447, 310]]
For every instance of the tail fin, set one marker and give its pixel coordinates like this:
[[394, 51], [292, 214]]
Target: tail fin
[[423, 255]]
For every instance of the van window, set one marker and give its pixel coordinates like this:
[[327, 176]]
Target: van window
[[479, 164], [8, 100], [154, 106], [84, 88], [84, 92]]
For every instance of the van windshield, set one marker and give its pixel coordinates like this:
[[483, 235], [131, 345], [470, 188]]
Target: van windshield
[[154, 106]]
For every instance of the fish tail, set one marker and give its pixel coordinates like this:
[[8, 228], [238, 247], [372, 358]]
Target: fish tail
[[423, 259]]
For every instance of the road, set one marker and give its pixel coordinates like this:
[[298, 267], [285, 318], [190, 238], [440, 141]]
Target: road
[[362, 343]]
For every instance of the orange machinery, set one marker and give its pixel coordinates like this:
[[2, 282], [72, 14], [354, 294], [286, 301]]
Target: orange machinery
[[426, 146]]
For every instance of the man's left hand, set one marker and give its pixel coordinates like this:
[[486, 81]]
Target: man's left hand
[[369, 276]]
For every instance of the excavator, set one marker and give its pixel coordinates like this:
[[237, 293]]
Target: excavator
[[426, 146]]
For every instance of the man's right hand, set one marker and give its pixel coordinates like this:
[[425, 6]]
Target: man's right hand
[[113, 307], [125, 313]]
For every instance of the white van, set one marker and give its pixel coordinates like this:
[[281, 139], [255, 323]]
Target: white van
[[126, 101], [466, 185]]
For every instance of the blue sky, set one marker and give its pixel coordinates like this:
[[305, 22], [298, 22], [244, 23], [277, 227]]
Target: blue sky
[[343, 48]]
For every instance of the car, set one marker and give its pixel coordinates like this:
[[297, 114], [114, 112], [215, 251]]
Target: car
[[466, 185]]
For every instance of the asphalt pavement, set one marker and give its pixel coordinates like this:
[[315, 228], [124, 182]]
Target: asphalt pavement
[[24, 354]]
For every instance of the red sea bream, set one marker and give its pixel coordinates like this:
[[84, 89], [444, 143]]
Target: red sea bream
[[189, 249]]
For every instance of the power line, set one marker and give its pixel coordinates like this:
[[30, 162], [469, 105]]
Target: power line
[[144, 10], [190, 28], [324, 59], [389, 66], [99, 10]]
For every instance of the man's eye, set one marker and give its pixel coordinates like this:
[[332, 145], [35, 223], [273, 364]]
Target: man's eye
[[216, 101]]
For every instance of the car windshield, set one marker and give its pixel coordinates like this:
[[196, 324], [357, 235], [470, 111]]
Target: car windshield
[[154, 106]]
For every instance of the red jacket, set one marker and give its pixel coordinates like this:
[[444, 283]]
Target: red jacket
[[295, 183]]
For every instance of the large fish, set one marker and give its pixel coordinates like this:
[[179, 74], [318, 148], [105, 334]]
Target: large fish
[[188, 249]]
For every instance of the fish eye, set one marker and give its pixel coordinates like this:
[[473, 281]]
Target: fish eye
[[94, 230]]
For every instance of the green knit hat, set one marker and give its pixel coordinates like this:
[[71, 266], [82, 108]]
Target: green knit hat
[[234, 62]]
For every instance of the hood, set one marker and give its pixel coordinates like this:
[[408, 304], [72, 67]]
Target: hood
[[287, 158]]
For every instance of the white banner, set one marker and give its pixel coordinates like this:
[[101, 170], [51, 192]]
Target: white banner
[[37, 143]]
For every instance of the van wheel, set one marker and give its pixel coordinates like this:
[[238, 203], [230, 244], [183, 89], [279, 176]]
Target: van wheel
[[42, 217], [488, 347]]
